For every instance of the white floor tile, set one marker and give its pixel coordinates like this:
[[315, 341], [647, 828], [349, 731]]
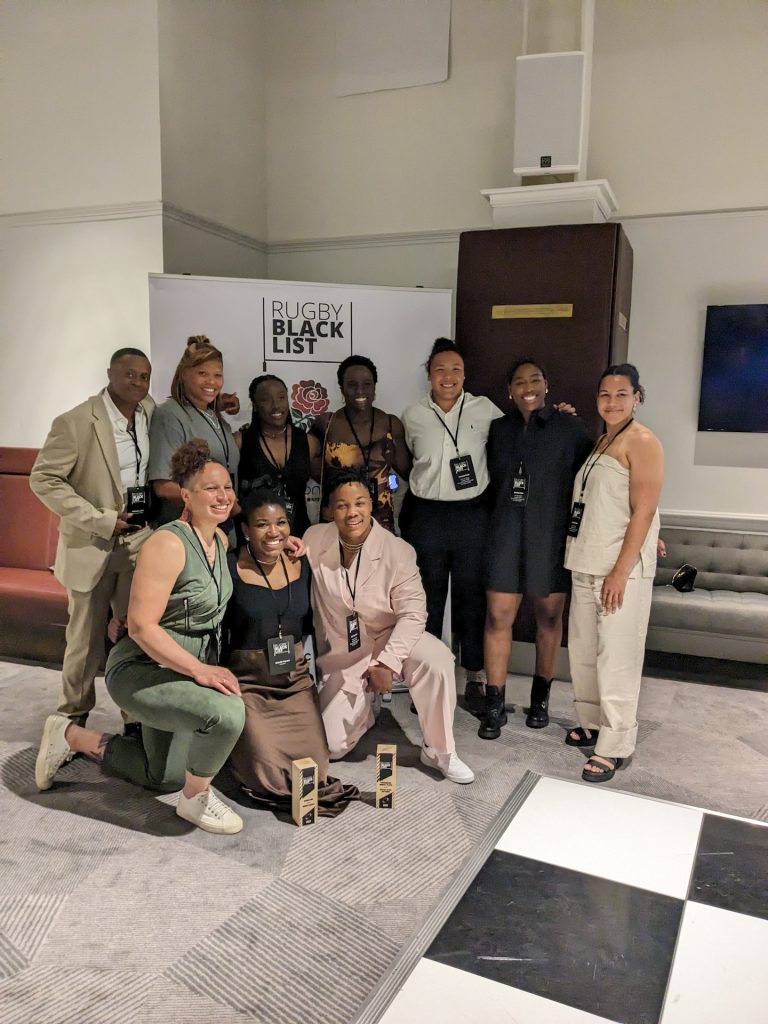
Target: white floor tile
[[435, 992], [625, 838], [719, 972]]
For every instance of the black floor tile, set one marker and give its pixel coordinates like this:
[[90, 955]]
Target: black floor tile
[[731, 866], [599, 946]]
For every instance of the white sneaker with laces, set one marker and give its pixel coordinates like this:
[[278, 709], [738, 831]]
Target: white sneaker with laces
[[450, 765], [54, 751], [209, 813]]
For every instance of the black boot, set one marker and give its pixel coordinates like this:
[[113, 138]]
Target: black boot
[[474, 698], [495, 715], [538, 714]]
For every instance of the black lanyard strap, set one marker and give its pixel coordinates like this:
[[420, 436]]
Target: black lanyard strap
[[286, 610], [591, 463], [131, 430], [352, 589], [211, 568], [270, 454], [441, 421], [216, 427], [365, 452]]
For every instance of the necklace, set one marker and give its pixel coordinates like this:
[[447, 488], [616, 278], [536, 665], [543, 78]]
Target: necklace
[[261, 561], [355, 547]]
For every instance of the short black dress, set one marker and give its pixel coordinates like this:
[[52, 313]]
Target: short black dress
[[526, 545], [290, 481]]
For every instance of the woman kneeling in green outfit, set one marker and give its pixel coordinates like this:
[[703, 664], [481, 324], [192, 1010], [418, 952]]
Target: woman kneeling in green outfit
[[165, 673]]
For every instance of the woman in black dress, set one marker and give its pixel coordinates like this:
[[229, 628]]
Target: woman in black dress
[[266, 620], [533, 454], [275, 454]]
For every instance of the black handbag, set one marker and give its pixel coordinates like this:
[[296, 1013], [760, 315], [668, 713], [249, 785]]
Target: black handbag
[[684, 578]]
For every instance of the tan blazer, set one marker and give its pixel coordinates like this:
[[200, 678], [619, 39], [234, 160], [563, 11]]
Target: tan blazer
[[77, 476], [389, 599]]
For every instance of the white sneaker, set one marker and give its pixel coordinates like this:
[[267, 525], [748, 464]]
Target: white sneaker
[[451, 765], [209, 813], [54, 751]]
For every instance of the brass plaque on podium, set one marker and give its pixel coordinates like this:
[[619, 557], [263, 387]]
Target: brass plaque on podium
[[529, 311]]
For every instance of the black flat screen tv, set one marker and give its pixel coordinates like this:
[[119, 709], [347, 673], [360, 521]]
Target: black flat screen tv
[[734, 375]]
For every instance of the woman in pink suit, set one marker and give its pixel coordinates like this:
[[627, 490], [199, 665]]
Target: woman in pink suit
[[370, 612]]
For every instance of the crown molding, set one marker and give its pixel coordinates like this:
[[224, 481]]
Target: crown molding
[[82, 214], [449, 237], [212, 227]]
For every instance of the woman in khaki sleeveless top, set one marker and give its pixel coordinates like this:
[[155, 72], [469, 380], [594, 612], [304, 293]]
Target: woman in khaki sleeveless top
[[611, 552]]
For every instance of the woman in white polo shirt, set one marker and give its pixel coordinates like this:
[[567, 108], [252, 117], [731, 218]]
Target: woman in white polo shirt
[[444, 514]]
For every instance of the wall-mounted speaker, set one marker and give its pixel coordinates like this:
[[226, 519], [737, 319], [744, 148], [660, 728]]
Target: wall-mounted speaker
[[549, 108]]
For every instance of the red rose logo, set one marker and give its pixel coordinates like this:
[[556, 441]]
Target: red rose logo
[[309, 398]]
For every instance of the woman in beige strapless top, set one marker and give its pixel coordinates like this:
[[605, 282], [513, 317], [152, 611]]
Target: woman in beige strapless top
[[611, 552]]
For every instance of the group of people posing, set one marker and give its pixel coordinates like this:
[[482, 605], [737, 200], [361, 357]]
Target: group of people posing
[[196, 539]]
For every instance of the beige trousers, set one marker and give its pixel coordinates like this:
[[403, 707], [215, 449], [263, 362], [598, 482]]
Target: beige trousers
[[606, 656], [86, 630], [429, 675]]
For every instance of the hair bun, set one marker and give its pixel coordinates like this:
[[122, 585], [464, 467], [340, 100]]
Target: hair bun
[[189, 459]]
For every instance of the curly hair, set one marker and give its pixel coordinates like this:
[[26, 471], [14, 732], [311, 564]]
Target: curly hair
[[257, 499], [198, 350], [442, 345], [189, 459], [350, 361]]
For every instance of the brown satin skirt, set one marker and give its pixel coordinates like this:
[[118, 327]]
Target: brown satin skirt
[[282, 724]]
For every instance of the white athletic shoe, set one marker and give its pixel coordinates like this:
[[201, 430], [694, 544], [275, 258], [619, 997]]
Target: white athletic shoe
[[450, 765], [54, 751], [209, 813]]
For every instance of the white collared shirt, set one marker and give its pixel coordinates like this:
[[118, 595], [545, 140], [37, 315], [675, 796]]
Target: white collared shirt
[[127, 453], [433, 448]]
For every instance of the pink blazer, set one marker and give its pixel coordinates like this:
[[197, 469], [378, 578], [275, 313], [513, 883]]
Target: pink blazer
[[389, 600]]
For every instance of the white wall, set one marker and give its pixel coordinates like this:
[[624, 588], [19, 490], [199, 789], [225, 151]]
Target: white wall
[[190, 249], [682, 265], [78, 91], [212, 111]]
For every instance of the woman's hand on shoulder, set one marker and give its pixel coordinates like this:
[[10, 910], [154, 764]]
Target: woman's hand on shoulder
[[295, 547], [566, 407], [216, 677]]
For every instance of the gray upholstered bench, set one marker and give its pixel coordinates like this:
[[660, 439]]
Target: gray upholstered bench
[[726, 615]]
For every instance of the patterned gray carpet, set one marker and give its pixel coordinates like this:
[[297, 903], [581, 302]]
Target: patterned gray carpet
[[112, 909]]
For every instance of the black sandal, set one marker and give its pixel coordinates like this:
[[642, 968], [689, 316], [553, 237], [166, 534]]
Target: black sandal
[[605, 774], [583, 740]]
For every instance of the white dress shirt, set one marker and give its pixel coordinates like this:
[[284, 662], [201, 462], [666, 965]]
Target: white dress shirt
[[433, 448], [130, 457]]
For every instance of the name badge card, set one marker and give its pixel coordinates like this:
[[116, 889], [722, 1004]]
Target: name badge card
[[519, 492], [463, 472], [137, 503], [373, 490], [281, 655], [353, 632], [577, 514]]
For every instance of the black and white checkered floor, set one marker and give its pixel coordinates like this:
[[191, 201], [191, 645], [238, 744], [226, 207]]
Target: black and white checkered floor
[[598, 905]]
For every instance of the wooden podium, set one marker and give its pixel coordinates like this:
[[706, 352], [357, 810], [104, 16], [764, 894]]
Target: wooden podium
[[559, 294]]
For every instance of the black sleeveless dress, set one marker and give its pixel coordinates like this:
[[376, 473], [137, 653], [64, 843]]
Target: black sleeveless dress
[[290, 481]]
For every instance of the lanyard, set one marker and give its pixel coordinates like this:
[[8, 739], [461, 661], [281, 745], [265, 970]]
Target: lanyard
[[216, 427], [365, 452], [287, 608], [352, 590], [590, 465], [270, 455], [211, 568], [131, 431], [453, 437]]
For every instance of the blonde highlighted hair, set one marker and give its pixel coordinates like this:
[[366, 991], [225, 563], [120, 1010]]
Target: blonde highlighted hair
[[199, 350]]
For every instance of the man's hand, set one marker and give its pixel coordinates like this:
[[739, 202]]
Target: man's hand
[[116, 629], [216, 677], [379, 678], [230, 403], [123, 526]]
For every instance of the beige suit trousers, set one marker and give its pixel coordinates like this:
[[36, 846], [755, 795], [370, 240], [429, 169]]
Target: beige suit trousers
[[429, 674], [86, 629], [606, 655]]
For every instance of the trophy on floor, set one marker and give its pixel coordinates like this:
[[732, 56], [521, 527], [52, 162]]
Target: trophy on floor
[[304, 791]]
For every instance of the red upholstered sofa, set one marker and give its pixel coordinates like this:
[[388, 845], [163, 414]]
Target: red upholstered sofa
[[33, 604]]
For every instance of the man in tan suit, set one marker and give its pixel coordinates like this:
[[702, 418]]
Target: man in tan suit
[[92, 473], [369, 615]]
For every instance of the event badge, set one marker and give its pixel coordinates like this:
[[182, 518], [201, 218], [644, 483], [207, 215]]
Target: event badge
[[519, 493], [577, 514], [281, 655], [137, 503], [373, 490], [463, 472], [353, 632]]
